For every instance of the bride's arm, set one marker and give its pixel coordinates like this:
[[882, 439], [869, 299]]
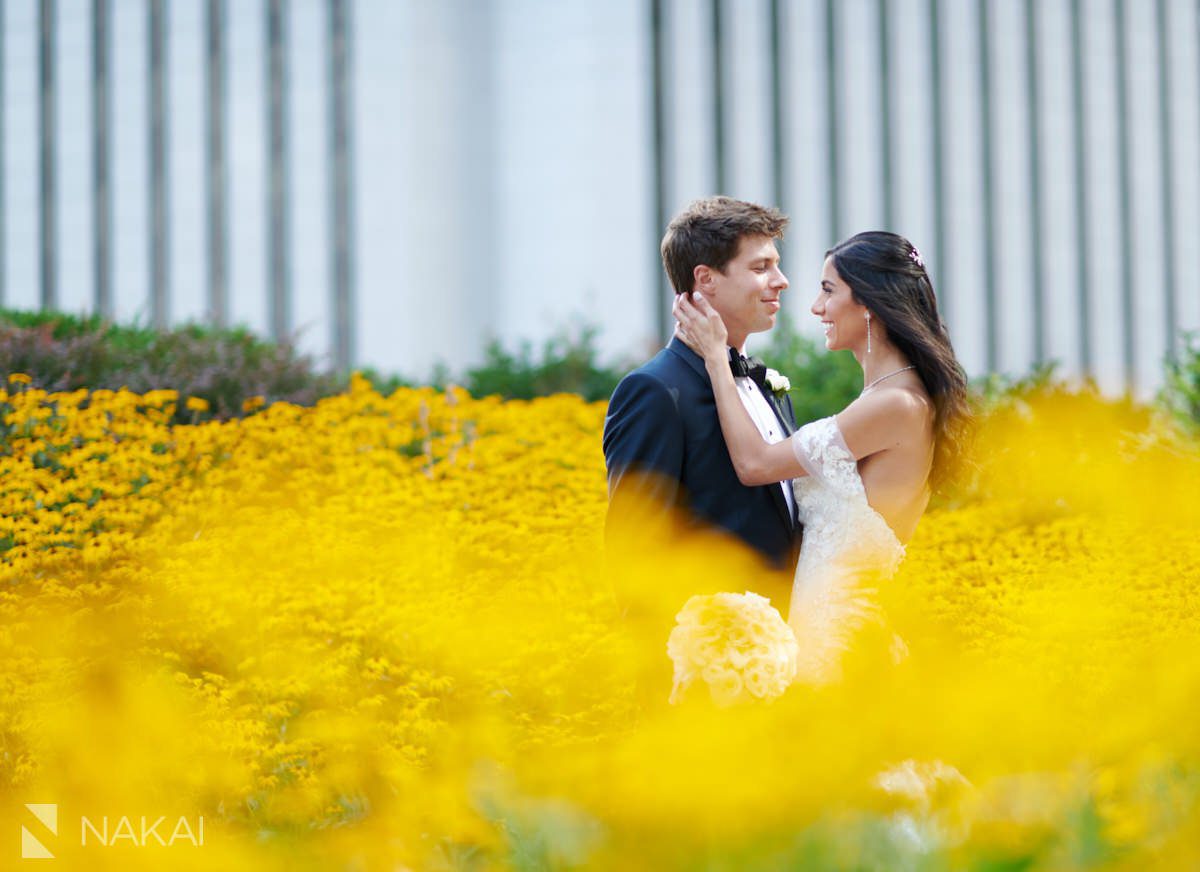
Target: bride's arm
[[754, 459]]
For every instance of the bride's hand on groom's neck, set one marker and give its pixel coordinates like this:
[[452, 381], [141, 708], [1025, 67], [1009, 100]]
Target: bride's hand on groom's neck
[[700, 327], [682, 335]]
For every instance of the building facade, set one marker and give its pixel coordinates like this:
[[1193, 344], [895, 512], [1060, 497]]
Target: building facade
[[400, 180]]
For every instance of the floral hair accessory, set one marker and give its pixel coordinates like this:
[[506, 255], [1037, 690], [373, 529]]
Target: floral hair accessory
[[915, 257]]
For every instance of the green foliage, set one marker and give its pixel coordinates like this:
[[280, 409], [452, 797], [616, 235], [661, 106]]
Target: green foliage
[[386, 383], [1181, 392], [121, 337], [567, 364], [996, 391], [224, 367], [823, 383], [67, 326]]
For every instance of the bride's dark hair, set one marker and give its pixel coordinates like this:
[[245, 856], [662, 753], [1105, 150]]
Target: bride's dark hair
[[887, 275]]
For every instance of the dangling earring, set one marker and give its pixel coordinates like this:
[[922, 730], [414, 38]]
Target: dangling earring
[[868, 332]]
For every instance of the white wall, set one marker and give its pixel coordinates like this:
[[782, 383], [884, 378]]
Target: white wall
[[504, 166]]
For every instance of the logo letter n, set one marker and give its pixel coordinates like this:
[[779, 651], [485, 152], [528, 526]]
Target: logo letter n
[[47, 815]]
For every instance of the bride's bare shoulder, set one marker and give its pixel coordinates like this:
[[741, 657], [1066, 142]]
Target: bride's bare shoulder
[[883, 419], [890, 405]]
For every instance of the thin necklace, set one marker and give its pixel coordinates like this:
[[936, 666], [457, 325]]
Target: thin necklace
[[889, 375]]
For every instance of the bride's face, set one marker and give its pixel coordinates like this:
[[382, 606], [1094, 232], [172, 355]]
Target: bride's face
[[844, 320]]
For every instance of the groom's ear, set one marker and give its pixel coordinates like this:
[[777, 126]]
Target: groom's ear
[[702, 275]]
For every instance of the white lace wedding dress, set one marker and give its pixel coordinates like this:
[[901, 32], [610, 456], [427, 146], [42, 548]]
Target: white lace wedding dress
[[847, 549]]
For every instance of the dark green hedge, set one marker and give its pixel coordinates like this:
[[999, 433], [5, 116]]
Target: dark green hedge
[[223, 367], [1181, 392], [226, 367]]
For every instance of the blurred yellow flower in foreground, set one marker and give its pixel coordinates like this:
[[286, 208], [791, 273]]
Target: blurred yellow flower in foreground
[[383, 633]]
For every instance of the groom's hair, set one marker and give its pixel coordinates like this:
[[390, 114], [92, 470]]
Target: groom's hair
[[709, 232]]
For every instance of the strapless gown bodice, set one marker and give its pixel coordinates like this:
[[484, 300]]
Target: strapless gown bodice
[[848, 548]]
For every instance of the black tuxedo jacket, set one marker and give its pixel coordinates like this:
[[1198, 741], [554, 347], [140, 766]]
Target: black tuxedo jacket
[[663, 442]]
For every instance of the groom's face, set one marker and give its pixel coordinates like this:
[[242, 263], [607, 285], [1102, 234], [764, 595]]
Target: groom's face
[[746, 292]]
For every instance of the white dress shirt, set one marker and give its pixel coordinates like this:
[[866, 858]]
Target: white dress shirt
[[768, 425]]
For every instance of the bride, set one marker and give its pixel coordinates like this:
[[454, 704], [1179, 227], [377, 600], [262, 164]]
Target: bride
[[863, 477]]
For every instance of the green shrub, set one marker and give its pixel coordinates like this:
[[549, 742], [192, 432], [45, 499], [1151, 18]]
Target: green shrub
[[567, 364], [999, 391], [1181, 391], [224, 367], [387, 383]]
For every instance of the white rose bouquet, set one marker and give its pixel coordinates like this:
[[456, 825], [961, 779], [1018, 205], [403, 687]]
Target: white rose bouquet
[[737, 642]]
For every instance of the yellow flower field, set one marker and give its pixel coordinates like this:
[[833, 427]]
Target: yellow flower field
[[383, 633]]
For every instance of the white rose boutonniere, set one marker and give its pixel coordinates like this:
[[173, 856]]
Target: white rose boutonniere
[[777, 382]]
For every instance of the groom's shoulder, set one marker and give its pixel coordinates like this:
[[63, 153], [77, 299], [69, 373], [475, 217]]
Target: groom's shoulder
[[668, 367], [657, 382], [661, 366], [663, 373], [651, 377]]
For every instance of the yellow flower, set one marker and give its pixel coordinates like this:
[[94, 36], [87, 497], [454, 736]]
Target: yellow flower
[[251, 403], [20, 378], [328, 610], [196, 404]]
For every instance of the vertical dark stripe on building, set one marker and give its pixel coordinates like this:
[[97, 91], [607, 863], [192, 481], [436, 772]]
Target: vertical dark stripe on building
[[1126, 192], [159, 290], [101, 161], [1033, 102], [47, 109], [778, 145], [659, 147], [1083, 239], [884, 37], [1196, 265], [938, 138], [341, 211], [1167, 178], [277, 170], [216, 179], [720, 156], [832, 113], [990, 308]]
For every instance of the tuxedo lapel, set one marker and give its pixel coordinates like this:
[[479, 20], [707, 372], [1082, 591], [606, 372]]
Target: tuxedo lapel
[[696, 363], [781, 503], [782, 410], [787, 420]]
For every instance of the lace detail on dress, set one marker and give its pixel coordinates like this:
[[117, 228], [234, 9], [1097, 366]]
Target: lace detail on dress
[[847, 548]]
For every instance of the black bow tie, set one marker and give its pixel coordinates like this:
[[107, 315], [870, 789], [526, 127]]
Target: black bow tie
[[750, 367]]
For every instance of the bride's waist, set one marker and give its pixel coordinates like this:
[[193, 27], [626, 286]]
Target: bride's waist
[[871, 553]]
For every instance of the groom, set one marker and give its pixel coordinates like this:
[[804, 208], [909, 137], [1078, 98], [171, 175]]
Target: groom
[[662, 439]]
